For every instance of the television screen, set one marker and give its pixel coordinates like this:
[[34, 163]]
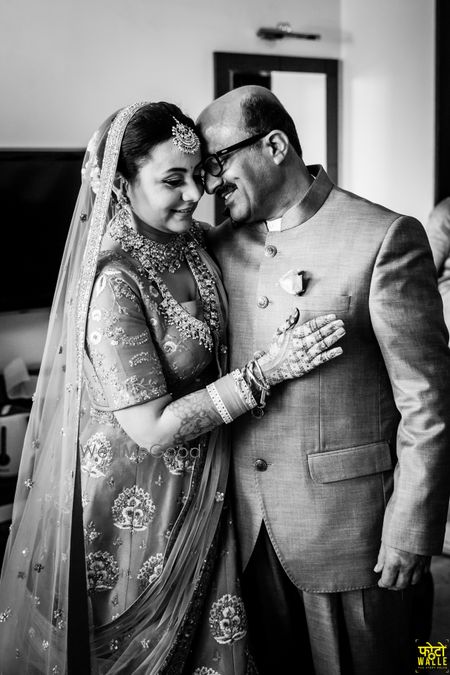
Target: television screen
[[38, 191]]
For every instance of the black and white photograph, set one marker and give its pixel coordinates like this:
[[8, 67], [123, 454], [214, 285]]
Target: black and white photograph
[[224, 337]]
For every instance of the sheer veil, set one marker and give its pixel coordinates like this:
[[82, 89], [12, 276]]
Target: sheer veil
[[35, 575], [153, 635]]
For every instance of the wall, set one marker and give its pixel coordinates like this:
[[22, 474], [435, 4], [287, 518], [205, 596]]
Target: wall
[[387, 140], [71, 62]]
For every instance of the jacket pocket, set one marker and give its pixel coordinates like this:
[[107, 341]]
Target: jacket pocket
[[323, 303], [361, 460]]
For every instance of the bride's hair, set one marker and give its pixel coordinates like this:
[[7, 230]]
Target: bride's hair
[[151, 125]]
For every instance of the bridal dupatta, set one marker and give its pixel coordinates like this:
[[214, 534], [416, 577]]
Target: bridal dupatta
[[154, 634]]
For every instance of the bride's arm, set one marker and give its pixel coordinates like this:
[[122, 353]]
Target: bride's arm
[[294, 351]]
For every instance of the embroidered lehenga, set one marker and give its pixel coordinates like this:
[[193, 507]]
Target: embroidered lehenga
[[161, 575]]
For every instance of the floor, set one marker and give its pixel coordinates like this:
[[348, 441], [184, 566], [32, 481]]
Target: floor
[[440, 568]]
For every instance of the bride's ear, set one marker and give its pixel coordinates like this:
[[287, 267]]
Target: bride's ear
[[278, 144], [123, 184], [120, 188]]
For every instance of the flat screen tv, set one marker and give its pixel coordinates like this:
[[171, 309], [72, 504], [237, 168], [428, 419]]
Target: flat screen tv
[[38, 191]]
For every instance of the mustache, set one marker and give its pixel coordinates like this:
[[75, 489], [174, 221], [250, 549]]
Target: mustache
[[225, 189]]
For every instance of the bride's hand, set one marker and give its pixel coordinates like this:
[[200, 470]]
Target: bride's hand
[[296, 349]]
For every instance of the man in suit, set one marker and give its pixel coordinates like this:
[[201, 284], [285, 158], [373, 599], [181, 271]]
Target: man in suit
[[342, 486]]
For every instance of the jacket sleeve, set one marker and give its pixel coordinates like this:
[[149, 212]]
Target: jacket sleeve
[[406, 313], [438, 231]]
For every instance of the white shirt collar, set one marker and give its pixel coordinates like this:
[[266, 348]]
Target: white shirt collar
[[274, 225]]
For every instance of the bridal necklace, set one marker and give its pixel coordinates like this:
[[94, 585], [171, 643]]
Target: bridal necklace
[[156, 257], [163, 256]]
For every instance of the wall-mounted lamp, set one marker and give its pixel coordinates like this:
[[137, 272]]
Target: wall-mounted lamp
[[284, 30]]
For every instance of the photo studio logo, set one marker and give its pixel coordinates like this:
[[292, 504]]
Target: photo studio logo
[[432, 657]]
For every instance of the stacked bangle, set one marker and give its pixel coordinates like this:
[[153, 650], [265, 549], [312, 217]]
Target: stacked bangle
[[231, 396], [254, 377]]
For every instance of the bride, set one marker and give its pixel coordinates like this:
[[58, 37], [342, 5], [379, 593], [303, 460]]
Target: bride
[[121, 557]]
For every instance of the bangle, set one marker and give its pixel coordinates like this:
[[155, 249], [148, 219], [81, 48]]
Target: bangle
[[243, 389], [260, 383], [262, 377], [218, 403]]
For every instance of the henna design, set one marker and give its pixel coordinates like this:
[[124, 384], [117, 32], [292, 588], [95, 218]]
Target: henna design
[[197, 416], [296, 350]]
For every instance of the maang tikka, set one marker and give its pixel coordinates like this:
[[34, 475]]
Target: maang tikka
[[185, 138]]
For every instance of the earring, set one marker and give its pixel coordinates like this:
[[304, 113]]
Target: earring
[[122, 197]]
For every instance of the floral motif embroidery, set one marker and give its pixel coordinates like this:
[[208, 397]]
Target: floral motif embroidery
[[91, 533], [133, 509], [132, 389], [180, 459], [122, 290], [137, 390], [102, 571], [59, 619], [204, 670], [97, 455], [4, 616], [169, 347], [95, 337], [137, 455], [227, 619], [96, 314], [118, 336], [151, 570]]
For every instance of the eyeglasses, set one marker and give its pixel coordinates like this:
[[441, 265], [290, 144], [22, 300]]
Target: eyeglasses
[[213, 165]]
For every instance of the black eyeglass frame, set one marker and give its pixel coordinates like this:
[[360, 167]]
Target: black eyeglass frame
[[227, 151]]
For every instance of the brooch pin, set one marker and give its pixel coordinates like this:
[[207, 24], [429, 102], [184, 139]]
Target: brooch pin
[[293, 282]]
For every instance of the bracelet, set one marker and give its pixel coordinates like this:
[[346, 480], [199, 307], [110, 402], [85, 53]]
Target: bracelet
[[218, 403], [260, 383], [262, 377], [243, 389]]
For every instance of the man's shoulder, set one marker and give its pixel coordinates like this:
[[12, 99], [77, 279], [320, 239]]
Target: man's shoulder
[[353, 201], [369, 218]]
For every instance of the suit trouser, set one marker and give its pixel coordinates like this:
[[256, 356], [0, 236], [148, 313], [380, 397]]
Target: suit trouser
[[370, 631]]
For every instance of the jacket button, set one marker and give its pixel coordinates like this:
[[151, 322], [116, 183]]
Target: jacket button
[[261, 465], [270, 251], [263, 301]]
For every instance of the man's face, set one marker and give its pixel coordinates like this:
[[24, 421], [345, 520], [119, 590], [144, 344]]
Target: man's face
[[246, 180]]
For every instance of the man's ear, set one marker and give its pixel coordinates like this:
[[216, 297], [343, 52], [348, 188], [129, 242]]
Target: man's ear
[[278, 145]]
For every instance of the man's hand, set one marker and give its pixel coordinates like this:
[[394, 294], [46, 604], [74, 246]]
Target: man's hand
[[400, 569]]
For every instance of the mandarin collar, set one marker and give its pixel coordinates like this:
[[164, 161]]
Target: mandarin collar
[[299, 213], [311, 201]]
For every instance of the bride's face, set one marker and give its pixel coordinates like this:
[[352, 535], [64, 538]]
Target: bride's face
[[167, 188]]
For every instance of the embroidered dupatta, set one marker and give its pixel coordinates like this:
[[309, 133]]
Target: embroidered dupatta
[[34, 587]]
